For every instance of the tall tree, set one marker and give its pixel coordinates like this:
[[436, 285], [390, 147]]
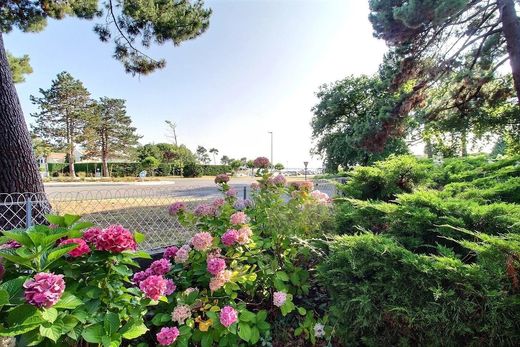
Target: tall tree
[[345, 116], [129, 24], [225, 160], [434, 39], [19, 67], [202, 155], [109, 132], [63, 112], [214, 151], [172, 131]]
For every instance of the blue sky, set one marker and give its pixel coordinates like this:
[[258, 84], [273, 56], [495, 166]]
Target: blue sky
[[255, 70]]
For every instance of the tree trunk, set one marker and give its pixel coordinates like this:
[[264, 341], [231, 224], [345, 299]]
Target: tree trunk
[[511, 30], [72, 170], [464, 144], [18, 168], [104, 161]]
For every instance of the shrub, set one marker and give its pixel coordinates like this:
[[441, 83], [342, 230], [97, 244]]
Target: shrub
[[192, 170], [383, 294]]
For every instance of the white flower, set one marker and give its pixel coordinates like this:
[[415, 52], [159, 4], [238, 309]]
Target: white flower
[[319, 330]]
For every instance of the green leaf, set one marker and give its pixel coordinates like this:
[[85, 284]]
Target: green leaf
[[140, 254], [160, 318], [81, 226], [255, 335], [52, 331], [261, 316], [68, 301], [24, 315], [247, 316], [207, 340], [4, 297], [264, 326], [17, 329], [58, 252], [244, 331], [19, 236], [139, 237], [111, 322], [302, 311], [49, 314], [12, 256], [56, 220], [123, 270], [93, 333], [133, 329], [70, 219], [282, 276]]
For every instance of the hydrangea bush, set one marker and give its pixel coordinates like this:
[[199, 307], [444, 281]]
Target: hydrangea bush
[[247, 276]]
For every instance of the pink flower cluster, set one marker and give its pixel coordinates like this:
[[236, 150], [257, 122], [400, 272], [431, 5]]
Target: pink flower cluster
[[241, 204], [10, 244], [114, 239], [82, 247], [182, 254], [232, 192], [219, 280], [304, 186], [219, 202], [255, 186], [153, 286], [244, 235], [181, 313], [230, 237], [279, 180], [176, 208], [44, 290], [170, 252], [202, 241], [279, 298], [228, 315], [167, 336], [215, 265], [261, 162], [238, 218], [320, 197], [160, 267], [221, 178], [205, 210]]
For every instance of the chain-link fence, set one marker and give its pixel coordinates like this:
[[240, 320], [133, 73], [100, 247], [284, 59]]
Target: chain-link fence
[[143, 210]]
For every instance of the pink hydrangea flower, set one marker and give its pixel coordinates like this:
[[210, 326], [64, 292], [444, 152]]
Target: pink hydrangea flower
[[255, 186], [153, 286], [228, 316], [44, 290], [244, 235], [81, 249], [221, 178], [115, 239], [140, 276], [279, 180], [170, 252], [230, 237], [320, 197], [238, 218], [10, 244], [215, 265], [170, 287], [176, 208], [219, 280], [218, 202], [182, 254], [160, 267], [232, 192], [167, 336], [190, 290], [91, 234], [202, 241], [304, 186], [279, 298], [205, 210], [261, 163], [181, 313]]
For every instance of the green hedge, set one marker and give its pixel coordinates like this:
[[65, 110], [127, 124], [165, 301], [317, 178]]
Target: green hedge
[[382, 294]]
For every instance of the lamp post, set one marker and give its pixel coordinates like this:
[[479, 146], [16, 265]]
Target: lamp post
[[305, 172], [272, 163]]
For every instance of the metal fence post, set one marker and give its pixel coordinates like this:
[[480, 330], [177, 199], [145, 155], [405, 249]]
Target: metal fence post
[[245, 192], [28, 212]]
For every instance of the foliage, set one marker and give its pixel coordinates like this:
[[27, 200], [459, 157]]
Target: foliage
[[19, 67], [383, 294], [192, 170], [202, 155], [344, 119], [96, 306], [150, 163]]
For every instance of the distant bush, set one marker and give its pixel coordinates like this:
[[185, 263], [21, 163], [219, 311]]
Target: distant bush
[[385, 295], [192, 170], [213, 170]]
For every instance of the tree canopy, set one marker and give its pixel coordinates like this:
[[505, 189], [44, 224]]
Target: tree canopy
[[20, 66]]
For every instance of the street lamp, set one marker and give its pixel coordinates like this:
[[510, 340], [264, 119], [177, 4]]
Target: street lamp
[[272, 163], [305, 163]]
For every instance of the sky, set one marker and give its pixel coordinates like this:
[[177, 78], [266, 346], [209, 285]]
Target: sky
[[255, 70]]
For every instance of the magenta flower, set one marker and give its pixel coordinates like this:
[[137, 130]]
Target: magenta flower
[[44, 290], [279, 298], [176, 208], [205, 210], [182, 254], [215, 265], [10, 244], [261, 163], [170, 252], [153, 287], [167, 336], [115, 239], [228, 316], [218, 202], [91, 234], [230, 237], [170, 287], [232, 192], [81, 249], [140, 276], [221, 178], [279, 180], [202, 241], [238, 218], [160, 267]]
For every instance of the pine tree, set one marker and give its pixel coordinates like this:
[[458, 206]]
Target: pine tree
[[64, 109], [109, 132], [19, 67]]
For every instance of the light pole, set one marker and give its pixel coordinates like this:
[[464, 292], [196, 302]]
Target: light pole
[[305, 172], [272, 163]]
